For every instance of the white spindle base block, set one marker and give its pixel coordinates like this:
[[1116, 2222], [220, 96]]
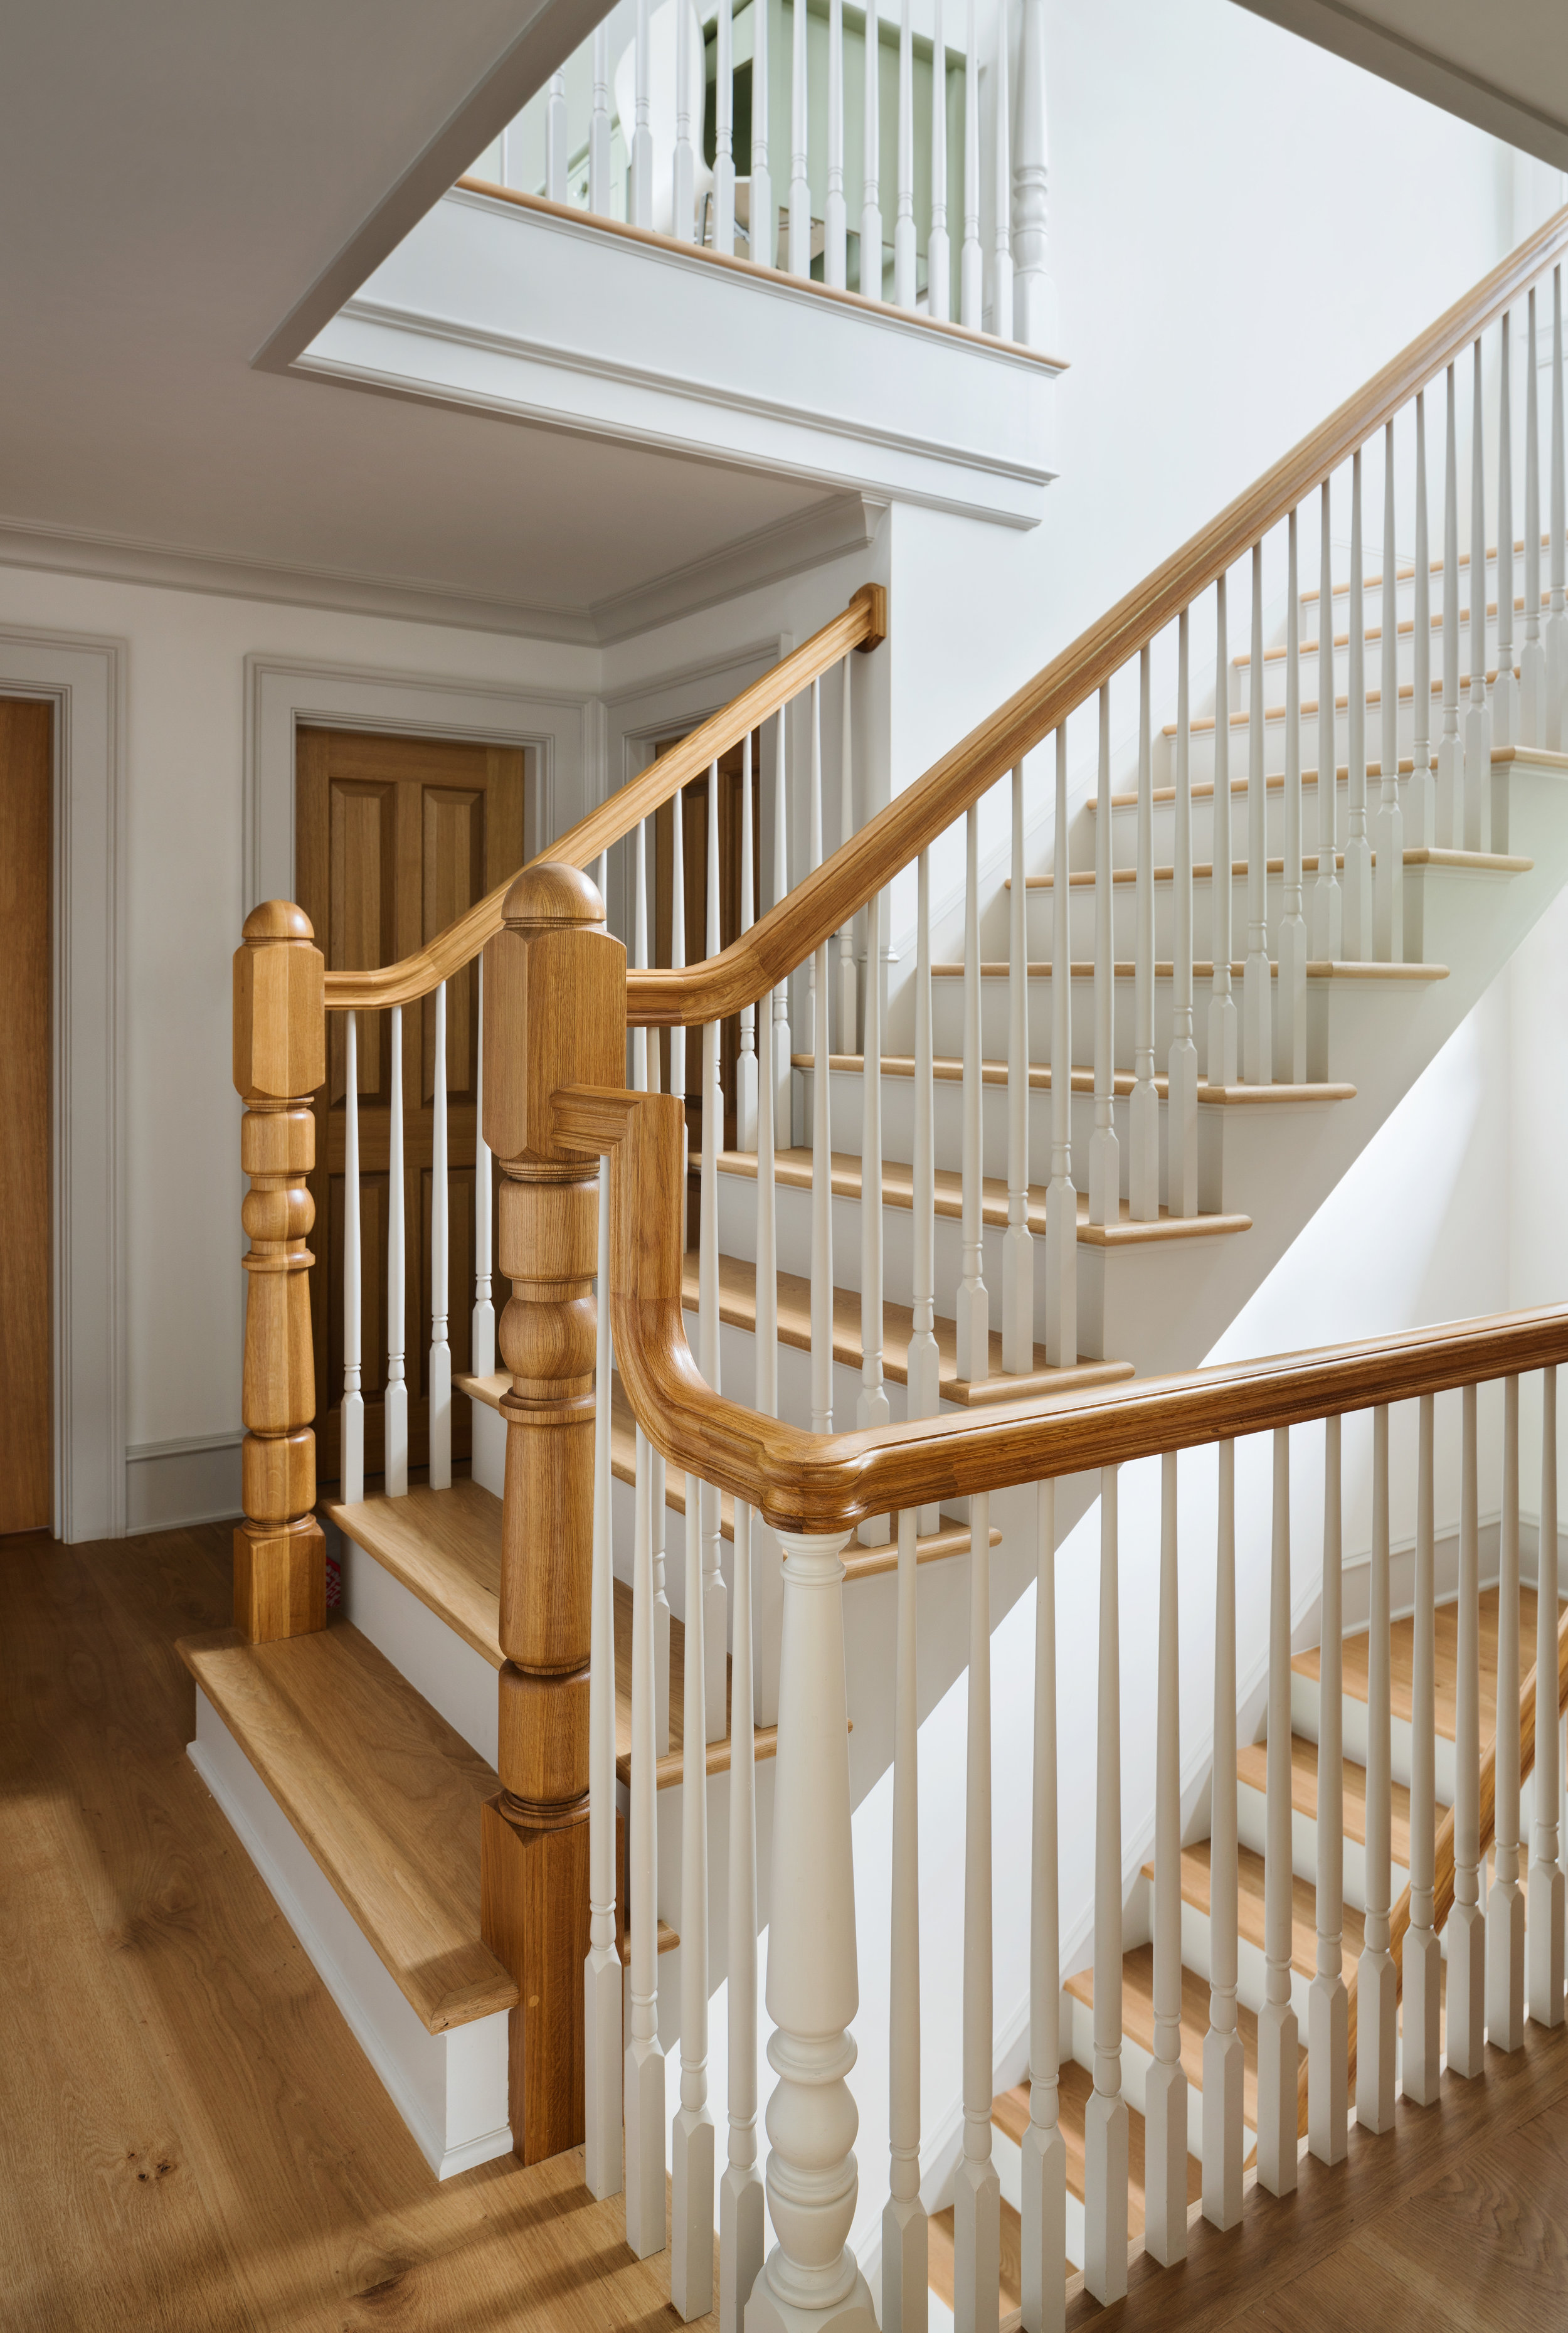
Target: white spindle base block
[[1328, 2068], [1224, 2126], [746, 1102], [1290, 1003], [1376, 2027], [1544, 1943], [1533, 693], [1061, 1277], [1182, 1130], [1017, 1298], [395, 1433], [906, 2266], [1451, 794], [1421, 2040], [715, 1644], [1257, 1021], [1477, 775], [661, 1654], [1278, 2054], [1327, 920], [1044, 2214], [1506, 1965], [1105, 1170], [603, 1994], [741, 2241], [351, 1440], [1165, 2164], [646, 2195], [1388, 886], [977, 2246], [1466, 1988], [1224, 1041], [1357, 927], [441, 1417], [1106, 2197], [1143, 1152], [971, 1320], [692, 2212]]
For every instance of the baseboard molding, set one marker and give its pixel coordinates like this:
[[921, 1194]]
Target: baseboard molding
[[170, 1485], [450, 2088]]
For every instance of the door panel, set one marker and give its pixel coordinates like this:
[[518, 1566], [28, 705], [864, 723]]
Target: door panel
[[26, 1210]]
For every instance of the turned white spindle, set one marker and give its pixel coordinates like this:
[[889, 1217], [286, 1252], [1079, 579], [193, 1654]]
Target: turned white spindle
[[1224, 1035], [972, 1306], [692, 2131], [1044, 2178], [440, 1446], [482, 1330], [1257, 979], [938, 244], [644, 2067], [1505, 692], [555, 139], [678, 936], [1389, 826], [1543, 1922], [1033, 293], [1478, 713], [977, 2188], [905, 2272], [1505, 1903], [835, 214], [716, 1612], [1018, 1247], [799, 187], [1358, 900], [1327, 899], [599, 131], [1277, 2041], [872, 1408], [1106, 2126], [642, 174], [1557, 615], [1181, 1085], [783, 1075], [766, 1584], [1224, 2068], [1290, 1052], [1421, 1956], [1451, 749], [678, 1087], [1421, 801], [602, 1980], [1532, 653], [724, 132], [821, 1126], [645, 1078], [1328, 2002], [871, 152], [1061, 1198], [1002, 157], [351, 1417], [1105, 1154], [741, 2236], [746, 1057], [923, 1393], [762, 228], [848, 986], [1377, 1979], [683, 183], [1143, 1104], [971, 262], [1467, 1928], [395, 1400], [903, 255], [1165, 2085]]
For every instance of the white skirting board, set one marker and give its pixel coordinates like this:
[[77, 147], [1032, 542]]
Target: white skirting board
[[450, 2088]]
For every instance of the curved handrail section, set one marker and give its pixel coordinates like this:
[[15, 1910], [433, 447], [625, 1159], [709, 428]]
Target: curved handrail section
[[821, 1483], [779, 941], [862, 626]]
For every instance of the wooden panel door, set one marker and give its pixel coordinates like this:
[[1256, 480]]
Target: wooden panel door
[[393, 837], [26, 989]]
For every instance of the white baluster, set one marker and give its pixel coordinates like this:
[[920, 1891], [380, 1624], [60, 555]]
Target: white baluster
[[481, 1330], [678, 1087], [1467, 1929], [783, 1074], [799, 187], [1257, 980], [1002, 260], [684, 194], [678, 938], [1478, 715], [1388, 828], [972, 1306], [1143, 1105], [555, 139], [599, 200], [977, 2189], [351, 1417], [746, 1060], [1033, 293], [646, 1079], [821, 1125], [1358, 901], [440, 1450], [1377, 1980], [1421, 1960], [740, 2237], [904, 2236], [642, 133], [1450, 751], [1557, 615], [715, 1613], [1165, 2089], [1328, 2002], [871, 172], [1224, 1036], [1061, 1198], [1505, 1903], [1105, 2113], [1328, 901], [602, 1982], [1018, 1247], [1278, 2040], [763, 228], [768, 1585], [1544, 1924], [1291, 1048], [1181, 1088], [640, 950], [1420, 823], [971, 268], [848, 987], [1224, 2132], [903, 253], [1533, 655], [691, 2132], [395, 1400], [813, 1985], [923, 1393], [1504, 693], [644, 2070], [1104, 1153], [871, 1408], [836, 215], [724, 132], [1044, 2213]]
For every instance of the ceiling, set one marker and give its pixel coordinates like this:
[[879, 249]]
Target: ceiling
[[190, 188]]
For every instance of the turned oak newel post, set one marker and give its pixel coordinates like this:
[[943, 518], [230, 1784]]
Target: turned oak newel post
[[280, 1060], [555, 996]]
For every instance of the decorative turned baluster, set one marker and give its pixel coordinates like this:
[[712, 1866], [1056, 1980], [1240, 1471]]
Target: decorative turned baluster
[[1224, 1039], [1033, 293], [556, 982], [799, 189], [1165, 2090], [1505, 691], [813, 1982], [1358, 899], [395, 1399], [1467, 1929], [352, 1417], [971, 266], [1061, 1198], [1388, 828], [746, 1060], [848, 986], [555, 139], [1143, 1106], [821, 1123], [691, 2132], [768, 1585], [1421, 822], [599, 134], [906, 2266], [1328, 901], [783, 1074], [642, 158], [1002, 255], [279, 1060], [1258, 979], [1105, 2114], [440, 1363], [872, 1409], [871, 153], [922, 1392], [1533, 655], [977, 2189], [1290, 1052], [1018, 1247], [1422, 1965], [1224, 2131], [602, 1977], [1278, 2040], [1478, 715], [1045, 2154], [716, 1609], [903, 255], [481, 1327], [645, 2121], [740, 2235], [973, 1306], [1450, 751], [938, 247], [1104, 1153], [1543, 1924], [1557, 615], [724, 133], [1505, 1903], [1328, 2002], [684, 189], [1181, 1088], [645, 1078], [1377, 1979], [836, 214], [762, 217]]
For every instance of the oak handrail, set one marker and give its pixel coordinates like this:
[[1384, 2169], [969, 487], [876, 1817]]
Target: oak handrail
[[863, 625], [779, 941]]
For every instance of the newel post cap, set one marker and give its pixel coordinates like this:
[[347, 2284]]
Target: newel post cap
[[280, 1026], [555, 1011], [549, 894], [276, 919]]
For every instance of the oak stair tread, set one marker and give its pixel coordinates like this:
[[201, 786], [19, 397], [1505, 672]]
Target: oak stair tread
[[1405, 627], [1203, 722], [1138, 2023], [1195, 1891], [949, 1067], [1202, 789], [1420, 855], [1252, 1768], [1076, 2086], [384, 1794], [1318, 968], [1446, 1661]]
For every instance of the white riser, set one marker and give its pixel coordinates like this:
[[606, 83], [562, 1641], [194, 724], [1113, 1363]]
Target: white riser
[[1136, 2066], [1274, 666], [1201, 750], [1041, 926], [456, 1680], [1251, 1829], [1124, 813], [1305, 1711], [1250, 1972]]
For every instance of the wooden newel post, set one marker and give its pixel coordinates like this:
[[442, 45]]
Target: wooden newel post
[[280, 1060], [555, 991]]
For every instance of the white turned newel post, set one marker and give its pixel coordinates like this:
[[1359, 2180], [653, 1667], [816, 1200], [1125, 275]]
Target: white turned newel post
[[1389, 827], [602, 1981], [783, 1074], [1061, 1198], [1477, 714], [1328, 2002], [922, 1391], [1291, 1048], [1105, 2114], [1018, 1247], [905, 2247], [1257, 980], [1505, 1903], [555, 139], [971, 263], [642, 133], [481, 1335], [1143, 1104], [440, 1350], [977, 2189], [746, 1060], [871, 152], [799, 187], [811, 2280], [903, 268], [762, 217], [1377, 1980], [972, 1308], [1421, 1959], [1043, 2213], [1105, 1154], [1165, 2086], [1181, 1085], [1033, 293], [1543, 1927], [1450, 752], [1224, 1039], [1328, 901], [1533, 655], [645, 2069], [821, 1123], [1002, 256], [1504, 693], [691, 2132], [599, 200], [1557, 617], [1277, 2040], [836, 214], [715, 1610], [351, 1417], [1467, 1928], [1358, 899], [1224, 2066], [848, 987], [1421, 822], [724, 132], [395, 1400], [684, 194], [741, 2233]]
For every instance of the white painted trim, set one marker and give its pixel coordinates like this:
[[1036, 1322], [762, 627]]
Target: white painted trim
[[84, 678], [193, 1479], [451, 2087], [838, 525]]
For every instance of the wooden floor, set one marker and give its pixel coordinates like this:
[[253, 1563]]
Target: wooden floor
[[190, 2137]]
